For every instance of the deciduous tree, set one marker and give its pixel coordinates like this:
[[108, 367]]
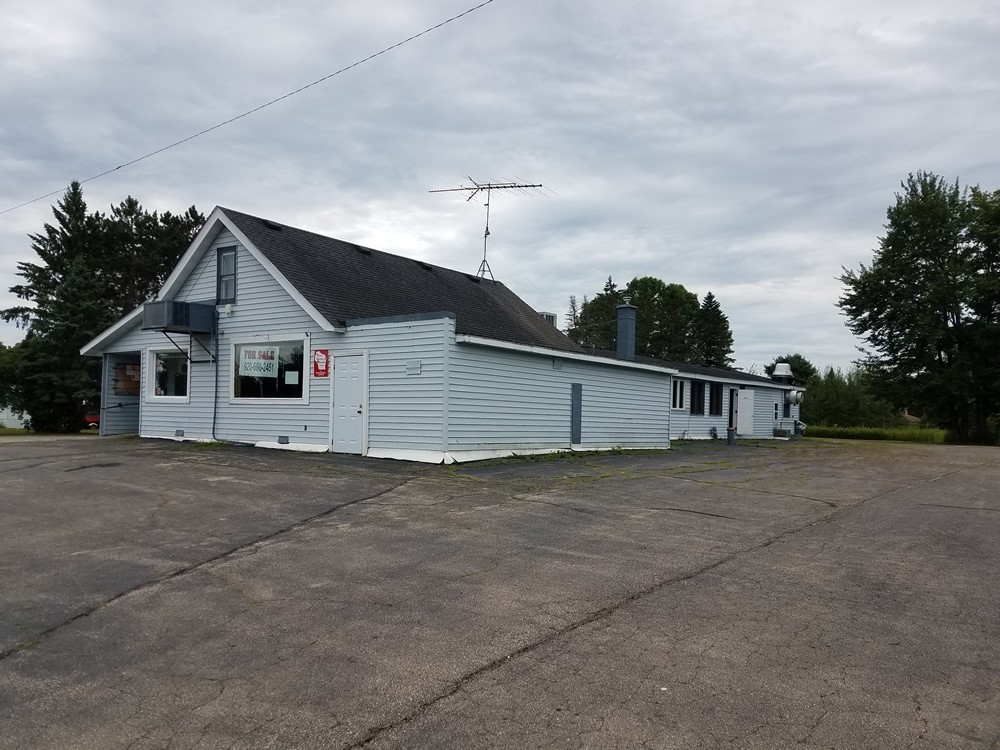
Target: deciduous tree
[[927, 306]]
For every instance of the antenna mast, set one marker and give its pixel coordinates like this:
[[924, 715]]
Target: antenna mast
[[487, 187]]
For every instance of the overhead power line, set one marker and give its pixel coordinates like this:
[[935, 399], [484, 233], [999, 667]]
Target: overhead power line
[[257, 108]]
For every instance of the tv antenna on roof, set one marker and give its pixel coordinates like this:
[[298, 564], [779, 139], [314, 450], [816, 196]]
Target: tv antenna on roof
[[488, 187]]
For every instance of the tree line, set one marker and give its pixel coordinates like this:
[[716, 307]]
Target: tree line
[[671, 323], [92, 268]]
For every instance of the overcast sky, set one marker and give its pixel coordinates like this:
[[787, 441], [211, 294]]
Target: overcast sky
[[747, 148]]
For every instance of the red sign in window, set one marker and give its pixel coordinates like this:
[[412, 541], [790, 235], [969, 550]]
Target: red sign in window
[[321, 363]]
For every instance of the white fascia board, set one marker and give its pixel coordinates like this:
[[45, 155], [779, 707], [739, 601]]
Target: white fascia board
[[736, 380], [93, 347], [527, 349]]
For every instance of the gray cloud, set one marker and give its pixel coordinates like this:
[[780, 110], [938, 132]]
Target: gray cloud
[[746, 148]]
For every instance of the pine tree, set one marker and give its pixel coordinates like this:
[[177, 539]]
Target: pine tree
[[712, 339], [93, 268]]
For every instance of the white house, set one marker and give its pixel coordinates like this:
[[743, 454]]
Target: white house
[[278, 337], [9, 419]]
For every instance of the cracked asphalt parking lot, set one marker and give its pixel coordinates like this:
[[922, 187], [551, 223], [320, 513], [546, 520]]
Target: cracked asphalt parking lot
[[808, 594]]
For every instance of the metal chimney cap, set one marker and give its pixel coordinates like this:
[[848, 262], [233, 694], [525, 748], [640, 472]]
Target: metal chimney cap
[[782, 370]]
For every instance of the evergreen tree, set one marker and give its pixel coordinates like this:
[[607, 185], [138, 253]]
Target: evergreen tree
[[838, 399], [597, 326], [667, 316], [93, 268], [712, 339]]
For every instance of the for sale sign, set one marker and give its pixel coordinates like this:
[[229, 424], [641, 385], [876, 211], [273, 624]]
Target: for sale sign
[[259, 361]]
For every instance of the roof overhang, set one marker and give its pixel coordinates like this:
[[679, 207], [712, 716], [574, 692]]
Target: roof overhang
[[216, 221], [737, 380], [94, 347], [528, 349]]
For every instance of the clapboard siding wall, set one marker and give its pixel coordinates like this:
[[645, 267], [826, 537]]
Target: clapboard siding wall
[[405, 380], [119, 411], [504, 400], [263, 312], [765, 400], [685, 425]]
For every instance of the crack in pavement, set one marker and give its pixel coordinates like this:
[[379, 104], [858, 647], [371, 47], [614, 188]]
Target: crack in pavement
[[959, 507], [688, 510], [43, 635], [732, 485], [375, 733]]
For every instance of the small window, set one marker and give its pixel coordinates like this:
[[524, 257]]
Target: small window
[[270, 370], [776, 410], [226, 276], [787, 411], [678, 397], [170, 375], [697, 397], [715, 399]]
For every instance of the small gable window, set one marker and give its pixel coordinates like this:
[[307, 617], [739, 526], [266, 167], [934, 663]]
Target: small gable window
[[226, 276]]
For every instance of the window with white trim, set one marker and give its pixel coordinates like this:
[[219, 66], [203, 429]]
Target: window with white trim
[[678, 398], [269, 370], [225, 289], [169, 375]]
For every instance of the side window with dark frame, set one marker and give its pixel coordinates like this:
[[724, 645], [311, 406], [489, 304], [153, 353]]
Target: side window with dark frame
[[697, 397], [715, 399], [225, 290]]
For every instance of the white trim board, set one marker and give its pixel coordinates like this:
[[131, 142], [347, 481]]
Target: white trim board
[[527, 349]]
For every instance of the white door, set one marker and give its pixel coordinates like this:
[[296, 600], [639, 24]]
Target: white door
[[349, 404], [744, 414]]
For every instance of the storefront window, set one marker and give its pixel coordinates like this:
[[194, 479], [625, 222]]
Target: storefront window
[[270, 370]]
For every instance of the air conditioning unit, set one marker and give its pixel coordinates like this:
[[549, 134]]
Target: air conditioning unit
[[172, 316]]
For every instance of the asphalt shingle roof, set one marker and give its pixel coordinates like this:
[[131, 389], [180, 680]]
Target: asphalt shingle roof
[[344, 281]]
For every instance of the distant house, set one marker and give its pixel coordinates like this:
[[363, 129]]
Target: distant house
[[706, 401], [278, 337], [9, 419]]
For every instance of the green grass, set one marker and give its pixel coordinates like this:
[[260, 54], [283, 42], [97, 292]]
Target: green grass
[[902, 434], [7, 431]]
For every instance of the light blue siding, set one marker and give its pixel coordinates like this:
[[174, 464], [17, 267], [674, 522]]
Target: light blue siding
[[685, 426], [508, 400], [264, 311], [405, 381], [119, 409]]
